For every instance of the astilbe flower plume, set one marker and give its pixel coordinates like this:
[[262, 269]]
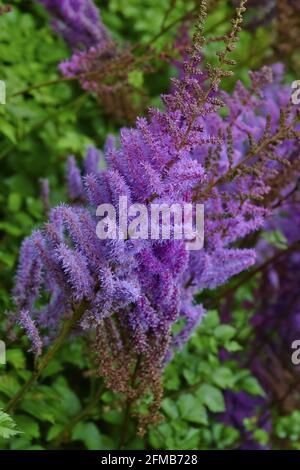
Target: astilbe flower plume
[[100, 64], [78, 21], [135, 290]]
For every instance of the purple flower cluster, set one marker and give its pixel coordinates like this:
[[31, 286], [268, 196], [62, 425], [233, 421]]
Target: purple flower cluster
[[90, 66], [99, 65], [180, 155], [78, 21]]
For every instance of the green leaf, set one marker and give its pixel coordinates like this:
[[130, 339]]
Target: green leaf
[[39, 409], [89, 434], [9, 385], [136, 78], [68, 400], [8, 130], [28, 426], [54, 431], [7, 258], [223, 377], [211, 320], [275, 238], [261, 436], [16, 358], [224, 332], [11, 229], [251, 385], [20, 443], [211, 397], [7, 426], [233, 346], [170, 408], [52, 368], [14, 202], [192, 410], [113, 417]]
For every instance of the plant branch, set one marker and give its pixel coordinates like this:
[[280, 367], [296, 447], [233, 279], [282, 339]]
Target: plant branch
[[42, 364]]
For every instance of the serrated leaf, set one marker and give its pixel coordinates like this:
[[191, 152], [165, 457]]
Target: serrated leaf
[[8, 427]]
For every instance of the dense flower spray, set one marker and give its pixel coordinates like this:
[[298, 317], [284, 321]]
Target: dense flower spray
[[131, 292]]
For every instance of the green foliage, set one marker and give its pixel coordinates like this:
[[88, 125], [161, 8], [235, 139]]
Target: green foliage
[[195, 382], [287, 430], [146, 19], [8, 427]]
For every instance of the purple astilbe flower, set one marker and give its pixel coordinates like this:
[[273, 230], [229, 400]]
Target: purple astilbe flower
[[92, 160], [28, 276], [78, 21], [28, 324], [74, 183], [77, 274], [103, 70], [97, 62], [155, 144]]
